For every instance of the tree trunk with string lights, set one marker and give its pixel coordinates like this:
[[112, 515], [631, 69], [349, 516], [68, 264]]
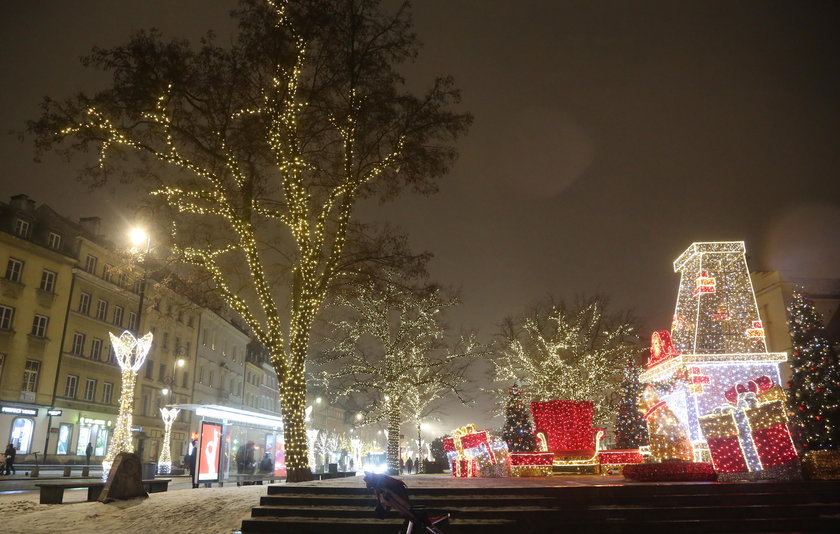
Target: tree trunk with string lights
[[256, 154]]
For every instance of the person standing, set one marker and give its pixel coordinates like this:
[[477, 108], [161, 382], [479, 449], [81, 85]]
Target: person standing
[[88, 452], [10, 453], [245, 462], [191, 462], [409, 465]]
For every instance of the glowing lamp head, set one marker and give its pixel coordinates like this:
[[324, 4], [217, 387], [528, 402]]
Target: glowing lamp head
[[181, 362], [138, 237], [165, 391]]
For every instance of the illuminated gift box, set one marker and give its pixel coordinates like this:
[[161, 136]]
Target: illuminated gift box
[[467, 450], [751, 433], [620, 457]]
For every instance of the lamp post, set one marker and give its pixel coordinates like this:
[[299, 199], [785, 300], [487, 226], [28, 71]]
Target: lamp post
[[141, 243], [131, 353]]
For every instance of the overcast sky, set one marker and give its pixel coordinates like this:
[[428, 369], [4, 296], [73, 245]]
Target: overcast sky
[[608, 136]]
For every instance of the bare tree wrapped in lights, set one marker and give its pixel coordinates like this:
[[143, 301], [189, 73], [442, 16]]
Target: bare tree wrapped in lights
[[273, 141], [570, 353], [165, 461], [392, 348], [131, 353]]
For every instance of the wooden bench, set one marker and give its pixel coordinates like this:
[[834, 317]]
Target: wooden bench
[[53, 492], [157, 485], [240, 478]]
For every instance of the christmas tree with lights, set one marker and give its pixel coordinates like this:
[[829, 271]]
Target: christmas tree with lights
[[815, 379], [518, 431], [630, 427]]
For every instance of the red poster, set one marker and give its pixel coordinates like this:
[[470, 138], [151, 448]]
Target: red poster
[[209, 452]]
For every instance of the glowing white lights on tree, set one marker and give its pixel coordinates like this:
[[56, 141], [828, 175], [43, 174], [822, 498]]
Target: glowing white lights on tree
[[567, 352], [165, 462], [131, 354]]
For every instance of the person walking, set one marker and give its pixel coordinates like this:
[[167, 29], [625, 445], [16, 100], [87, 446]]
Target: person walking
[[409, 465], [88, 452], [10, 453]]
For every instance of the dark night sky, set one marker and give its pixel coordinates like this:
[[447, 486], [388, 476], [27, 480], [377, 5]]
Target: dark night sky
[[608, 136]]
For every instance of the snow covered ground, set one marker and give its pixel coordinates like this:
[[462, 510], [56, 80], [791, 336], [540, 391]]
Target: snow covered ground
[[203, 510]]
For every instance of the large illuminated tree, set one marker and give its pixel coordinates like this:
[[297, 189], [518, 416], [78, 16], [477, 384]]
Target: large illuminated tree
[[258, 152], [391, 347], [814, 384], [560, 352]]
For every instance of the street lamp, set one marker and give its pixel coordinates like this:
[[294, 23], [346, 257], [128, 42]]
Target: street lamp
[[170, 380], [141, 245]]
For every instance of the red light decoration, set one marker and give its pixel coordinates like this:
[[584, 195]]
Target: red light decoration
[[620, 457], [566, 425], [525, 464], [756, 332], [670, 472], [661, 348], [704, 283], [721, 432]]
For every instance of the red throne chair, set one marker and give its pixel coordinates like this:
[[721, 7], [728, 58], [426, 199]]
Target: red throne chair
[[564, 428]]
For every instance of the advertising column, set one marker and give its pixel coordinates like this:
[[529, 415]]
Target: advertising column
[[209, 453]]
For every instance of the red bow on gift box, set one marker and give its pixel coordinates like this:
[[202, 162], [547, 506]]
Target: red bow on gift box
[[757, 385]]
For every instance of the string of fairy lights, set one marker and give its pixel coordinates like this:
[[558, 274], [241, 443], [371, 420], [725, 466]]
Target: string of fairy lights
[[318, 224]]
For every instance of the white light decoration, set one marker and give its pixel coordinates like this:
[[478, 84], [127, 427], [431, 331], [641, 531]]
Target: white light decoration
[[131, 353], [716, 344], [165, 461]]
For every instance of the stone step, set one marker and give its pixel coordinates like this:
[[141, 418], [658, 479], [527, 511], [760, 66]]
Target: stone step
[[572, 501], [312, 525]]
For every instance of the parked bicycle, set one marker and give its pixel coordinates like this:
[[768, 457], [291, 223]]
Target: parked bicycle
[[392, 494]]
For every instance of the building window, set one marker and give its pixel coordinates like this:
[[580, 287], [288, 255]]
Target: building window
[[106, 272], [118, 315], [30, 376], [180, 318], [132, 321], [161, 372], [6, 315], [13, 270], [39, 325], [21, 438], [190, 321], [95, 349], [71, 386], [90, 264], [150, 365], [166, 340], [54, 241], [90, 389], [22, 228], [107, 392], [78, 344], [201, 375], [101, 309], [183, 383], [84, 303], [204, 337], [48, 281], [65, 435], [112, 355], [122, 280]]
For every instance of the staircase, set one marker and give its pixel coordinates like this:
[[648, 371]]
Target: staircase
[[672, 508]]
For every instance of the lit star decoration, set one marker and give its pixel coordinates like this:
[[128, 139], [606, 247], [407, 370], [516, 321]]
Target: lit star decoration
[[715, 349], [131, 354], [168, 415]]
